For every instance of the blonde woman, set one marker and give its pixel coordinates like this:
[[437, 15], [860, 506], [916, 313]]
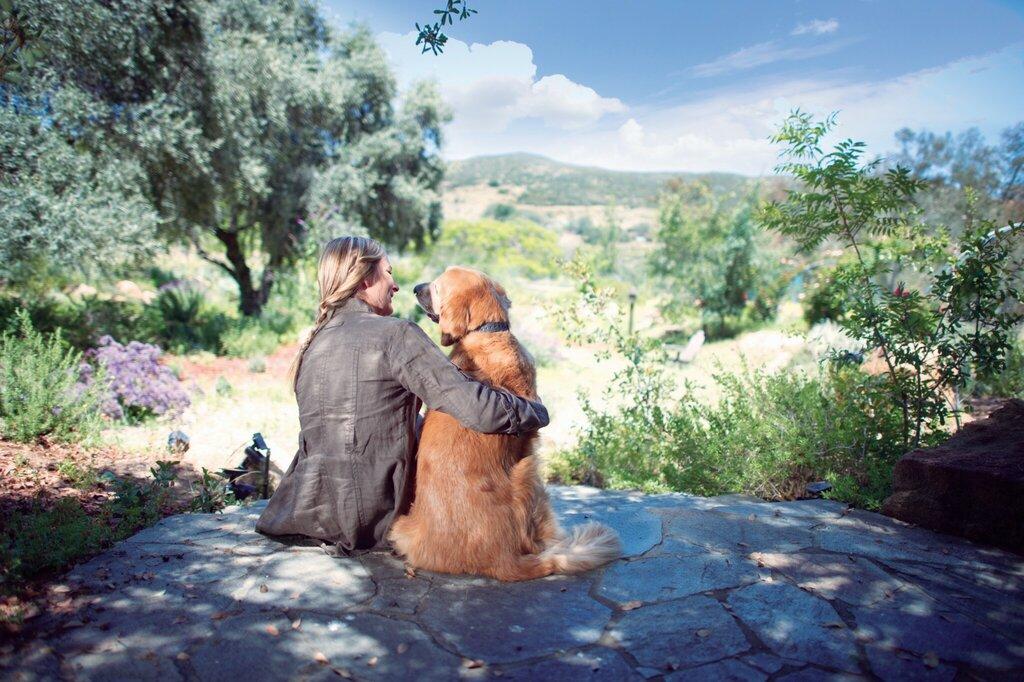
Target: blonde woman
[[360, 379]]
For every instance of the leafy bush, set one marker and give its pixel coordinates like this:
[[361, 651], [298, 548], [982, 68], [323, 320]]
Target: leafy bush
[[81, 323], [712, 256], [39, 541], [212, 494], [40, 393], [137, 385], [249, 339], [933, 339], [498, 247], [1009, 381], [823, 296], [769, 435]]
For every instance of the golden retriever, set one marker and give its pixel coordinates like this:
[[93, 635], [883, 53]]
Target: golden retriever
[[479, 505]]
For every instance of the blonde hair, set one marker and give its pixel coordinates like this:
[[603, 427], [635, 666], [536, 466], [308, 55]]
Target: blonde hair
[[344, 264]]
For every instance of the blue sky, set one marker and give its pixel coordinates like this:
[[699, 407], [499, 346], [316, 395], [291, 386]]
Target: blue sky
[[699, 86]]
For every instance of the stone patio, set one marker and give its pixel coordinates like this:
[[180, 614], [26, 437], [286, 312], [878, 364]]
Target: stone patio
[[724, 588]]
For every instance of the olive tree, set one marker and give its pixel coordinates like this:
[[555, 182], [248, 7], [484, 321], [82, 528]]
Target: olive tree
[[239, 124]]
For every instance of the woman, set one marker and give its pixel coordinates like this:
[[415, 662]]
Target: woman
[[359, 379]]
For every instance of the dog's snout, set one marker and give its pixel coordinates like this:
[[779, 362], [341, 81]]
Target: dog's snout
[[419, 287]]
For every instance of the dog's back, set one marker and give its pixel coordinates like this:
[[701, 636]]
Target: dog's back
[[480, 506]]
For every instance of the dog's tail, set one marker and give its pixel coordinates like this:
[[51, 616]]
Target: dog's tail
[[585, 547]]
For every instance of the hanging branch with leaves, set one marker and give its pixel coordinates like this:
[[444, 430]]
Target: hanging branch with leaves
[[431, 35]]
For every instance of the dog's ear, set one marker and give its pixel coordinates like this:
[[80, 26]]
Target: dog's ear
[[503, 299], [453, 319]]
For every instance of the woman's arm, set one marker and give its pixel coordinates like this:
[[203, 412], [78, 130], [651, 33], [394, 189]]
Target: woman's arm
[[422, 368]]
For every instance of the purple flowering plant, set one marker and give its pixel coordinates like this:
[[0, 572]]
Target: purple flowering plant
[[138, 385]]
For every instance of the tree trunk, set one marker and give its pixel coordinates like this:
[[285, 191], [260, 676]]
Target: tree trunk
[[250, 299]]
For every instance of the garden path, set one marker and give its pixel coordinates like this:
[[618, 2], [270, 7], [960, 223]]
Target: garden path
[[709, 588]]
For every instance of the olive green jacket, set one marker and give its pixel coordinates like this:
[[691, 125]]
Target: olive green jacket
[[359, 391]]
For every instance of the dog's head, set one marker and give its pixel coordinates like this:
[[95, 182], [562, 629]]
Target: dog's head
[[461, 300]]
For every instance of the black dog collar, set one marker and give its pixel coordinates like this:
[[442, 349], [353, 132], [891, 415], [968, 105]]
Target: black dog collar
[[491, 327]]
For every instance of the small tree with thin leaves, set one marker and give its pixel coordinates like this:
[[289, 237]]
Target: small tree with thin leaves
[[933, 338]]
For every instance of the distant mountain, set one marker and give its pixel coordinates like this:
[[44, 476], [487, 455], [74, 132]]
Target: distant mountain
[[551, 183]]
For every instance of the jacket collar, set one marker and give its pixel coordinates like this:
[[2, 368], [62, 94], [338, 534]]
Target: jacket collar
[[352, 305]]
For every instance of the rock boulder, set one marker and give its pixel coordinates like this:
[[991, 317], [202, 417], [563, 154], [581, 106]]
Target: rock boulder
[[972, 485]]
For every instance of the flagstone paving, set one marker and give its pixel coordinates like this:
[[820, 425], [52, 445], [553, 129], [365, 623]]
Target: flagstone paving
[[725, 588]]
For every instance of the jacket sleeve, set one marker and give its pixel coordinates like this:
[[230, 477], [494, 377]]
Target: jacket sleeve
[[422, 368]]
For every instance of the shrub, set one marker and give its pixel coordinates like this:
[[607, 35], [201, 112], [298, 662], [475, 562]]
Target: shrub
[[40, 394], [768, 435], [82, 322], [712, 256], [39, 541], [933, 339], [823, 296], [138, 385], [498, 247], [249, 339]]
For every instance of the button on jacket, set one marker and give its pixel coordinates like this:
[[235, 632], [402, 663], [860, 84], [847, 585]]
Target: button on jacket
[[359, 391]]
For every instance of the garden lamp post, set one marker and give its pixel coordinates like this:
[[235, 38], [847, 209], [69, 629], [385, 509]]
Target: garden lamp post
[[632, 303]]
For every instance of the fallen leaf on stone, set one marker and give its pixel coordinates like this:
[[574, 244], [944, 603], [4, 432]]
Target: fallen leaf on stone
[[296, 624], [471, 664], [264, 588], [372, 661], [410, 572], [60, 589], [703, 632], [149, 656], [220, 615], [341, 672], [179, 620], [837, 624], [946, 617], [182, 656], [402, 648], [630, 605], [930, 659], [272, 630], [742, 544], [294, 595], [320, 658]]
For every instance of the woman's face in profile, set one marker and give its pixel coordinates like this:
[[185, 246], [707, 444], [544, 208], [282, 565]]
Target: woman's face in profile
[[379, 292]]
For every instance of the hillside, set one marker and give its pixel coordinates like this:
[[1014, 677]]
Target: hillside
[[545, 182]]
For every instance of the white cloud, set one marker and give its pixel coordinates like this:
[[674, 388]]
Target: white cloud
[[729, 131], [816, 27], [491, 86], [763, 53]]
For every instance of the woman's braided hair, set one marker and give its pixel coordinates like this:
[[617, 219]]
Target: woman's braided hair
[[344, 264]]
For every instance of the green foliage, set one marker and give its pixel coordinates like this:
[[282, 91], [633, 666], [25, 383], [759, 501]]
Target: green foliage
[[238, 126], [716, 261], [81, 322], [824, 297], [1009, 381], [498, 247], [75, 475], [40, 394], [768, 435], [211, 496], [432, 36], [932, 339], [38, 542]]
